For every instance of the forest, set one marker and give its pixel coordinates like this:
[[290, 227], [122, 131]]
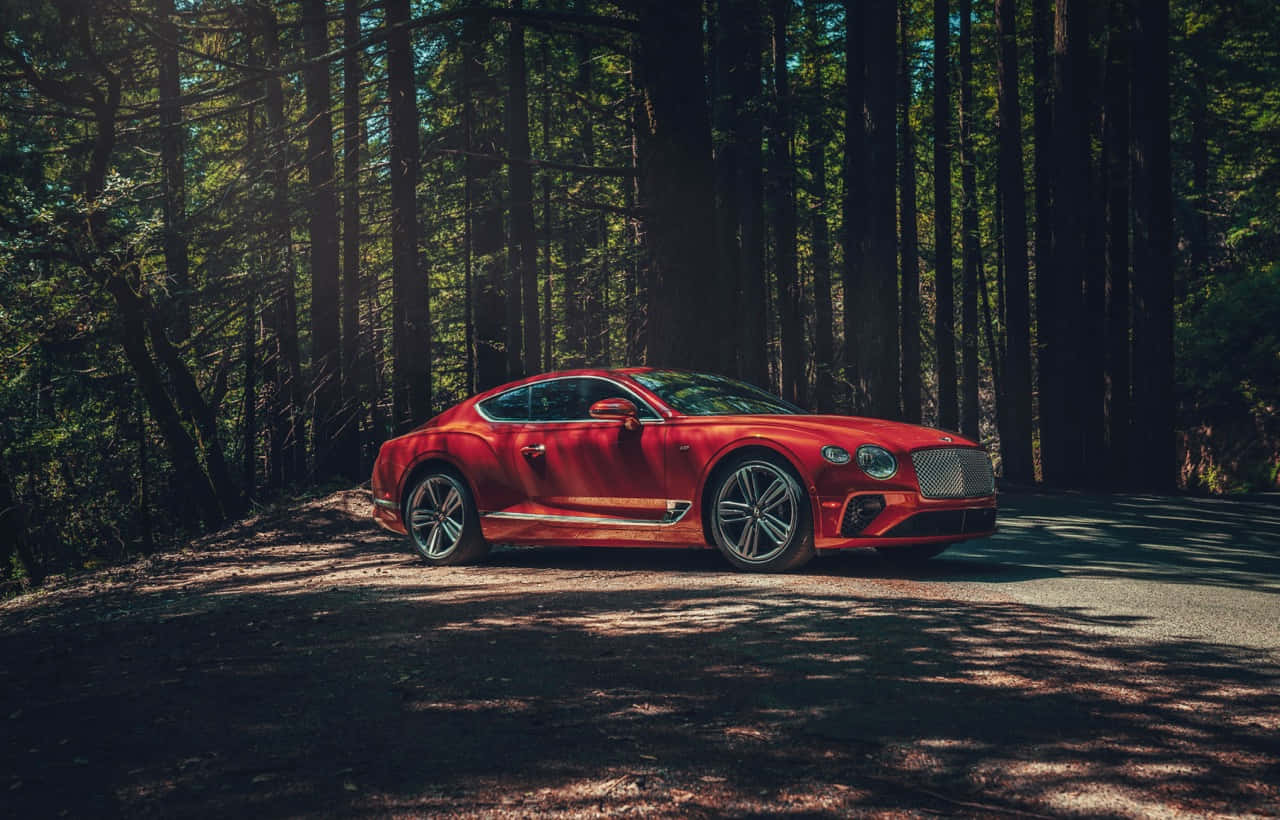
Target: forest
[[242, 243]]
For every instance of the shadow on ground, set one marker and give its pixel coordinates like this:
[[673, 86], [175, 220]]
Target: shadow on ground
[[311, 666], [1214, 541]]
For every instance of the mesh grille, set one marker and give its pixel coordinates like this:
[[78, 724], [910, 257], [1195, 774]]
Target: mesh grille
[[953, 472]]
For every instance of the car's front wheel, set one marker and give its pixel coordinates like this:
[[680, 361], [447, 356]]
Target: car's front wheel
[[442, 521], [760, 516]]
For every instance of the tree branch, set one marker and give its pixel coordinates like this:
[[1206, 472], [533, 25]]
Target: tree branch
[[534, 162]]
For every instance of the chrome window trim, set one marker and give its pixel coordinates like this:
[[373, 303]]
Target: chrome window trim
[[640, 402], [676, 510]]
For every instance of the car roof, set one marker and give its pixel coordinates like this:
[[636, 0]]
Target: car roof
[[600, 372]]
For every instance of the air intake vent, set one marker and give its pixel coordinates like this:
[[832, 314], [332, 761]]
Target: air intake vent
[[953, 472], [945, 522], [859, 513]]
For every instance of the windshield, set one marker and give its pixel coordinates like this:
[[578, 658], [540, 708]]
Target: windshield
[[704, 394]]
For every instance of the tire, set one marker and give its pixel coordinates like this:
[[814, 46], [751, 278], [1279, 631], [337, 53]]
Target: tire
[[448, 532], [911, 554], [760, 516]]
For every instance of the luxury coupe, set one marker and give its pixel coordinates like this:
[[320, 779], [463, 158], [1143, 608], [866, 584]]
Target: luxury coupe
[[643, 457]]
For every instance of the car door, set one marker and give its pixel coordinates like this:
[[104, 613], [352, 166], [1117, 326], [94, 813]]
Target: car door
[[587, 473]]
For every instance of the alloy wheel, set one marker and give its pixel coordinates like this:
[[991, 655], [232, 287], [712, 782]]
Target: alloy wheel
[[436, 516], [757, 511]]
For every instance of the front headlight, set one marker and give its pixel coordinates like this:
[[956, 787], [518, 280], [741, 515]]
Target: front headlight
[[836, 455], [877, 462]]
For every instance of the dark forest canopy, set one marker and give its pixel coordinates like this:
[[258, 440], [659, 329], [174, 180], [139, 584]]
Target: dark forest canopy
[[243, 243]]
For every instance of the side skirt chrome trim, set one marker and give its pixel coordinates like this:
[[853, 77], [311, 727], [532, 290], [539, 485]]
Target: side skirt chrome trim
[[676, 510], [387, 503]]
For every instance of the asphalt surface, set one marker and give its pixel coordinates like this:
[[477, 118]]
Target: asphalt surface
[[1146, 567]]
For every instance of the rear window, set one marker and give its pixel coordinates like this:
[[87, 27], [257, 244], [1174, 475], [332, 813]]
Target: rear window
[[512, 405]]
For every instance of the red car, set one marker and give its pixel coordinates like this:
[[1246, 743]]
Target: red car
[[642, 457]]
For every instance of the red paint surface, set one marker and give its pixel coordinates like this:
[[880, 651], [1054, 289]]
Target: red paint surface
[[597, 469]]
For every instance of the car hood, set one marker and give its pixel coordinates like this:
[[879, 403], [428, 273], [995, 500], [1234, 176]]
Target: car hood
[[852, 431]]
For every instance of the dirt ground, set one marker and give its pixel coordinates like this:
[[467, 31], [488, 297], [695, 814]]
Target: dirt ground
[[304, 663]]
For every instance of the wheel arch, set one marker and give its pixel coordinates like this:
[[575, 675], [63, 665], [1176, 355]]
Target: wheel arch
[[428, 462], [737, 450]]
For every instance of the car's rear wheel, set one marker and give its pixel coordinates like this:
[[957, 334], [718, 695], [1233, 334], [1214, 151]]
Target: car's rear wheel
[[442, 521], [911, 554], [760, 516]]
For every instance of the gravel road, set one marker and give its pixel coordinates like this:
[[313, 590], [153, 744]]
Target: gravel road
[[1101, 656]]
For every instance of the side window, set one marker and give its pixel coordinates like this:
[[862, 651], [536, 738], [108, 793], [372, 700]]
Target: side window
[[510, 406], [571, 399]]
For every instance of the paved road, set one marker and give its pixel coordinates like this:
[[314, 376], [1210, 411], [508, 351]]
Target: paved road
[[1144, 567]]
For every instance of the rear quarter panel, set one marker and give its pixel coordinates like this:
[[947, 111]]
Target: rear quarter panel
[[469, 449]]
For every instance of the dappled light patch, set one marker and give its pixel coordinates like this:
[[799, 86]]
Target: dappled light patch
[[329, 672]]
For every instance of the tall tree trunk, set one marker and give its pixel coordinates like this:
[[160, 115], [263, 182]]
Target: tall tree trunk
[[1091, 336], [910, 237], [742, 44], [524, 238], [1062, 441], [634, 351], [1042, 126], [854, 203], [577, 280], [287, 445], [1153, 398], [593, 224], [993, 348], [783, 193], [726, 26], [548, 212], [173, 169], [644, 267], [816, 146], [1198, 229], [181, 446], [468, 252], [877, 337], [210, 491], [252, 327], [355, 393], [249, 404], [945, 318], [678, 193], [411, 306], [1115, 146], [970, 241], [995, 342], [322, 215], [144, 478], [486, 206], [1015, 437]]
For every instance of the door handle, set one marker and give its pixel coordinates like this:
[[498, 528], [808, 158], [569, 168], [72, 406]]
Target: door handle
[[533, 450]]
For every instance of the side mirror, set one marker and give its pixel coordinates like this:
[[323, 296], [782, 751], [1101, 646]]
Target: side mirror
[[618, 408]]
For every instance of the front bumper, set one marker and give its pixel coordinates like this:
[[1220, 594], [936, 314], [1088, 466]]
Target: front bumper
[[907, 518]]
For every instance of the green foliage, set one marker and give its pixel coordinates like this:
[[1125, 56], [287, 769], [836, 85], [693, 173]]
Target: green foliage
[[1228, 344], [77, 439]]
